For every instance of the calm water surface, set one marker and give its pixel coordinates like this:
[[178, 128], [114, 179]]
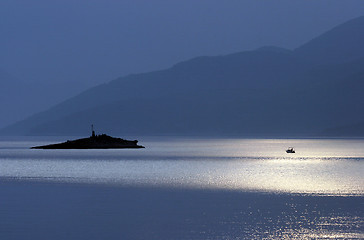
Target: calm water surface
[[180, 188], [325, 167]]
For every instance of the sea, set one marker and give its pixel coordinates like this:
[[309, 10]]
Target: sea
[[183, 188]]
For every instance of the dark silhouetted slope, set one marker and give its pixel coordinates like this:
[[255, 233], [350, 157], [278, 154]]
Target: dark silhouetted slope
[[267, 92], [204, 95], [20, 98], [13, 99], [341, 44]]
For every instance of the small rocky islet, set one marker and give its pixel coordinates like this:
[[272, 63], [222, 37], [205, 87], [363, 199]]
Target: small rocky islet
[[101, 141]]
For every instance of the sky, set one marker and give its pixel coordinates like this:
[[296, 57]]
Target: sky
[[92, 41]]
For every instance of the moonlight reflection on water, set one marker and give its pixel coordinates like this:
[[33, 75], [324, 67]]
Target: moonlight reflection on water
[[184, 189], [329, 167]]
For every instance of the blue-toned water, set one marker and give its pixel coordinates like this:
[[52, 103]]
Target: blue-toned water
[[331, 167], [201, 188]]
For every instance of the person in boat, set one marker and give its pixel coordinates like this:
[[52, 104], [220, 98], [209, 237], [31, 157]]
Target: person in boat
[[290, 150]]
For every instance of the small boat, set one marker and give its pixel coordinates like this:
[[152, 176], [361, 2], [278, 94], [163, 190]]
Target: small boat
[[290, 150]]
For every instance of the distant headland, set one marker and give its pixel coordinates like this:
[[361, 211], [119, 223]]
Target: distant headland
[[101, 141]]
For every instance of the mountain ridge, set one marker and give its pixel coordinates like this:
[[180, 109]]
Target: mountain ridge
[[269, 90], [341, 44]]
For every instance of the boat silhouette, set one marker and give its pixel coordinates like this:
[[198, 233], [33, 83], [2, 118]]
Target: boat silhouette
[[290, 150]]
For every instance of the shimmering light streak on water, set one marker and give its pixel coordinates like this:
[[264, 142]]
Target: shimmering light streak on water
[[110, 205], [329, 167]]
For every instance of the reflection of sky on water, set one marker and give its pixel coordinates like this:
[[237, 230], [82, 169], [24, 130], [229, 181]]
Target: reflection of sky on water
[[319, 166]]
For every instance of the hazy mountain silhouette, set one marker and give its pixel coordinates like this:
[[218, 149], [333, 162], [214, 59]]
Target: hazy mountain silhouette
[[269, 91], [13, 96], [341, 44], [20, 98]]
